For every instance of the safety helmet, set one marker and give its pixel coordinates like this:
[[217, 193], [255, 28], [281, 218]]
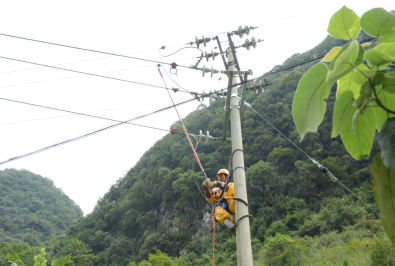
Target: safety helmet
[[223, 171]]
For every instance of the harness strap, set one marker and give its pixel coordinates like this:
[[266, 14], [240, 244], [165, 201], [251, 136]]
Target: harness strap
[[227, 181]]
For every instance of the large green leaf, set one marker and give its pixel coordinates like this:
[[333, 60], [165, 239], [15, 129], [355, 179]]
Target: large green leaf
[[55, 263], [389, 87], [388, 100], [342, 111], [378, 22], [382, 78], [344, 24], [346, 83], [332, 65], [360, 143], [343, 64], [387, 143], [388, 38], [359, 75], [65, 259], [381, 55], [364, 95], [331, 54], [309, 104], [384, 194]]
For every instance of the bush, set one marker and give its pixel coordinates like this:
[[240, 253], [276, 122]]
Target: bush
[[25, 252], [276, 227], [282, 250], [158, 259], [79, 252], [383, 252]]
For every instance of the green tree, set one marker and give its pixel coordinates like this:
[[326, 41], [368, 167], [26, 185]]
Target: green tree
[[80, 253]]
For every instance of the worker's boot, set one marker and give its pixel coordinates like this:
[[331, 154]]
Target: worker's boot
[[230, 226]]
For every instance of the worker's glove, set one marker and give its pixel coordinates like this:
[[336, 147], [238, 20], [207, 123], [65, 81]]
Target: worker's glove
[[210, 185], [206, 182]]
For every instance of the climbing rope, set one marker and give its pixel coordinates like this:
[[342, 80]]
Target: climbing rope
[[213, 213], [183, 126], [194, 177]]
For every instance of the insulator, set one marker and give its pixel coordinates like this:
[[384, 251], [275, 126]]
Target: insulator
[[240, 31], [247, 44], [207, 137], [203, 40], [214, 54], [200, 136], [253, 42], [207, 55]]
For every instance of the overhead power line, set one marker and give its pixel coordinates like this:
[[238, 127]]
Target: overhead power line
[[74, 113], [110, 71], [91, 133], [85, 73], [98, 111], [299, 63], [92, 59], [88, 50], [273, 22]]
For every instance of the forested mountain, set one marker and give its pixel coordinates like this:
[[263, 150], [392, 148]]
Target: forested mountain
[[157, 205], [33, 209]]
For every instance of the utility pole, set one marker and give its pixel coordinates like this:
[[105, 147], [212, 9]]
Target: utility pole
[[234, 109], [243, 236]]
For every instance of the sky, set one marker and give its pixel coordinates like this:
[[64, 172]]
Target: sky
[[86, 169]]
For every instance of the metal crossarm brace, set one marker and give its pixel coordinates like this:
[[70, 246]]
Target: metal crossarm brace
[[243, 95], [232, 47], [227, 107], [222, 53], [249, 72]]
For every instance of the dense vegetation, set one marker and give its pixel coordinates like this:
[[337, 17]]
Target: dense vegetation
[[33, 210], [298, 210], [154, 215]]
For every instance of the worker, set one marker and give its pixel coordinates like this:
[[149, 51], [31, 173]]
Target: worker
[[226, 206]]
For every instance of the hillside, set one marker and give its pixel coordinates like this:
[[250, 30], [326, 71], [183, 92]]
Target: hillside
[[157, 206], [33, 209]]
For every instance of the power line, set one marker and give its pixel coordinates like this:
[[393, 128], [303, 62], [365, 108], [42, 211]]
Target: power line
[[299, 63], [325, 170], [273, 22], [85, 73], [312, 26], [88, 50], [86, 60], [110, 71], [73, 113], [90, 133]]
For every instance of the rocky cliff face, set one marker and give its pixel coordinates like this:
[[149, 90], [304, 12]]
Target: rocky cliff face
[[201, 226]]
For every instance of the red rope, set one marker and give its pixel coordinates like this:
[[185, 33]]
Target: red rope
[[183, 126]]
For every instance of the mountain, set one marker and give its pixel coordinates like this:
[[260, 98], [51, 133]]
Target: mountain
[[33, 209], [157, 205]]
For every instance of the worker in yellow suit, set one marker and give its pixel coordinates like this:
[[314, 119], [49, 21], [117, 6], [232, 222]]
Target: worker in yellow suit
[[226, 206]]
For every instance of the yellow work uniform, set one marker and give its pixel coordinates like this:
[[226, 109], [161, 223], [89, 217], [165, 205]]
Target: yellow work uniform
[[226, 206]]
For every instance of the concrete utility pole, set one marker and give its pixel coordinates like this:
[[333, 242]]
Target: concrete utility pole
[[243, 237]]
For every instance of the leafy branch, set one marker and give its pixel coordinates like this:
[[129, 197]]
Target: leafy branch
[[352, 119]]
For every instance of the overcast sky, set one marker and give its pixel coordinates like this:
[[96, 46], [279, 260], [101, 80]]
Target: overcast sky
[[86, 169]]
